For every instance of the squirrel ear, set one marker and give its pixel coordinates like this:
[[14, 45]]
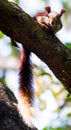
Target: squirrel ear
[[48, 9], [62, 11]]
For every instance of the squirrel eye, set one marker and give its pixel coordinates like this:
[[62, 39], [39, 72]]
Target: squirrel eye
[[52, 23]]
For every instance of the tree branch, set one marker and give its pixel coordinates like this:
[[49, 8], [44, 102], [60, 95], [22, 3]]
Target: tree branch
[[9, 116], [18, 25]]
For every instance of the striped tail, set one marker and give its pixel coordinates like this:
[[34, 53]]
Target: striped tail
[[26, 90]]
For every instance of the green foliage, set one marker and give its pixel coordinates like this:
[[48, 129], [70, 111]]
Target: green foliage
[[1, 35], [2, 78], [66, 4], [17, 1], [59, 128], [15, 52], [45, 0], [68, 45]]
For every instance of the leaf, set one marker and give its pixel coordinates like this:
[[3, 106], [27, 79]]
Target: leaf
[[1, 35], [68, 45], [17, 1]]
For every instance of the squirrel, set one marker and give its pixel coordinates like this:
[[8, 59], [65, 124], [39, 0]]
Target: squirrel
[[49, 21]]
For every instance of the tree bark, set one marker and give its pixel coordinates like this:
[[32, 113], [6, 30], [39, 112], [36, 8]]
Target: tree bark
[[18, 25], [9, 115]]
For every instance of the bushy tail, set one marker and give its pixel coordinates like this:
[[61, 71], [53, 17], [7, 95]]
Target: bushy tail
[[26, 90], [26, 77]]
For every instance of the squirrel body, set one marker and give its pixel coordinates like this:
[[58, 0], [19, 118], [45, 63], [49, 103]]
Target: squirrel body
[[50, 20]]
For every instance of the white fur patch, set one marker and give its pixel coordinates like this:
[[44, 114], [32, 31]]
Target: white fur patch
[[43, 19], [26, 111]]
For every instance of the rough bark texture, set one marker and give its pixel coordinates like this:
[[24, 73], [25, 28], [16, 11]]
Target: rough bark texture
[[18, 25], [9, 115]]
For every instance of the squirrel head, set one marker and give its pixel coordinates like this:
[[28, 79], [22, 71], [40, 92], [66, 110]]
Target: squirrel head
[[55, 20]]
